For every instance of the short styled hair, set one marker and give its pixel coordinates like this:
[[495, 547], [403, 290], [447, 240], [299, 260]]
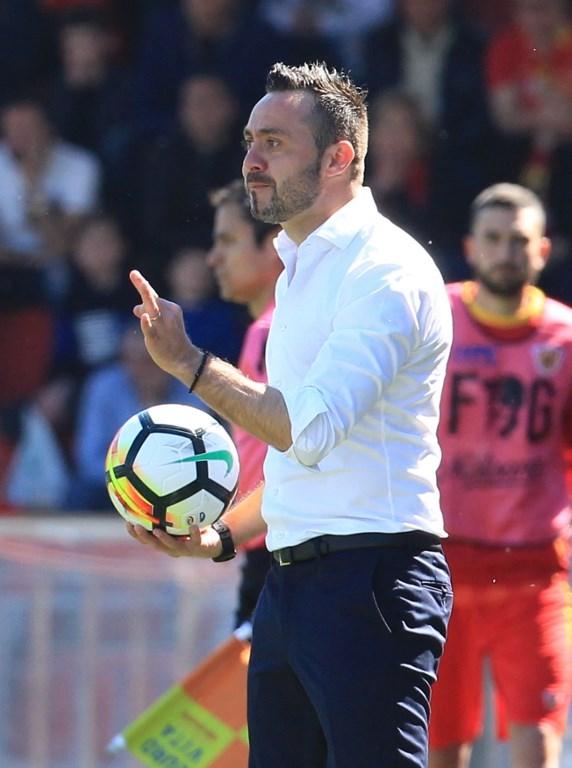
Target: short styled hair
[[340, 111], [234, 193], [511, 197]]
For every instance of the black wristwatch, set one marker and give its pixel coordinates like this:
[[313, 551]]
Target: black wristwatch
[[228, 550]]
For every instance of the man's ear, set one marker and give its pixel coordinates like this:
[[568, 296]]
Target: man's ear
[[469, 249], [545, 251], [338, 157]]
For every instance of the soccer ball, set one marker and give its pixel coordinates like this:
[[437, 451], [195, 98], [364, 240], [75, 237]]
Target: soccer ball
[[171, 466]]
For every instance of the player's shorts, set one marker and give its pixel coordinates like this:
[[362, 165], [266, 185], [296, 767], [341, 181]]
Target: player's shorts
[[512, 606]]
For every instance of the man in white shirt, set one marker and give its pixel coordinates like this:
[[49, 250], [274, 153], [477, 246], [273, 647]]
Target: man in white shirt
[[352, 619], [46, 186]]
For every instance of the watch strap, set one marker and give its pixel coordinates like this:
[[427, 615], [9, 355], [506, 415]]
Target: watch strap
[[228, 548]]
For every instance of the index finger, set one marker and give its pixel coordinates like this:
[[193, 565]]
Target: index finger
[[148, 294]]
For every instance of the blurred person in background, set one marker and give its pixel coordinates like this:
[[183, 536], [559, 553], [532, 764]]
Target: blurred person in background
[[403, 175], [96, 303], [325, 31], [110, 396], [47, 187], [529, 72], [505, 427], [91, 96], [186, 37], [177, 171], [216, 323], [435, 56], [399, 162], [26, 45], [247, 266], [489, 14], [529, 68], [38, 467]]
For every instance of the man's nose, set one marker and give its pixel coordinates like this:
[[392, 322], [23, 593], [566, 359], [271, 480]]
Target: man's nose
[[253, 161]]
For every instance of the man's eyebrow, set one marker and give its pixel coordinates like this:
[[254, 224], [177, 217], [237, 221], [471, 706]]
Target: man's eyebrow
[[267, 131]]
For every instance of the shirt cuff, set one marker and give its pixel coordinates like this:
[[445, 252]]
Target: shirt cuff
[[304, 405]]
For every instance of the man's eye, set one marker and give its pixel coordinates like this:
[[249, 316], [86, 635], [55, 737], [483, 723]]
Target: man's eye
[[246, 144]]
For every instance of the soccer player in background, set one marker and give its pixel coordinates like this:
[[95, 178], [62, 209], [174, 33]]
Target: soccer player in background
[[246, 268], [506, 422]]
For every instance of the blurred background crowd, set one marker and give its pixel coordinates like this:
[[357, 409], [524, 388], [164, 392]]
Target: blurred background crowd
[[118, 117]]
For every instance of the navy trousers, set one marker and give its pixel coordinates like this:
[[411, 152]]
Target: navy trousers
[[345, 650]]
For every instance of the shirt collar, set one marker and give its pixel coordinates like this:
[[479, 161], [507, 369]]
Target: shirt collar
[[339, 230]]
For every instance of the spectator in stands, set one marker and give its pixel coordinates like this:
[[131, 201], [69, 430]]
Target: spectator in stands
[[25, 45], [214, 324], [98, 298], [91, 99], [189, 36], [178, 171], [399, 162], [110, 396], [327, 31], [489, 14], [529, 69], [434, 56], [63, 6], [38, 467], [46, 188], [437, 58], [124, 17]]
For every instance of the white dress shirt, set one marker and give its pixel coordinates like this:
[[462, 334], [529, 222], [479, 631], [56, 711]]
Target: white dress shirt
[[358, 348]]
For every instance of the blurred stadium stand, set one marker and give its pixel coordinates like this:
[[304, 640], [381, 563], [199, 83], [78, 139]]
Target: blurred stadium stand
[[93, 628]]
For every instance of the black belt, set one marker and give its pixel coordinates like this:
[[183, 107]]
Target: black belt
[[323, 545]]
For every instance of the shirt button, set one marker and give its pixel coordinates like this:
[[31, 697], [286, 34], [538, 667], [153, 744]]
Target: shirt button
[[283, 327]]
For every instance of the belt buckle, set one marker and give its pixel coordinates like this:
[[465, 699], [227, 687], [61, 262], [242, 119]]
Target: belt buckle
[[282, 559]]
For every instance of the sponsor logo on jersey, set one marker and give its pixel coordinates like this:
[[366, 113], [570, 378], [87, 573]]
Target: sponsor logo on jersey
[[480, 354]]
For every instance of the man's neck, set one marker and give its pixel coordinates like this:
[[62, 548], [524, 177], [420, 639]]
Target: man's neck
[[301, 226], [504, 306]]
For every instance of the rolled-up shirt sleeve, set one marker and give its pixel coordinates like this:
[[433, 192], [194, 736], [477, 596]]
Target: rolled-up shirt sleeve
[[373, 331]]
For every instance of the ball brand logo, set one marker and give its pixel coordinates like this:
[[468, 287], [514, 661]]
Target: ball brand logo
[[222, 455], [192, 519]]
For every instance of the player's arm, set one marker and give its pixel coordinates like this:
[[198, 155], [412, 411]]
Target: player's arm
[[244, 520], [256, 407]]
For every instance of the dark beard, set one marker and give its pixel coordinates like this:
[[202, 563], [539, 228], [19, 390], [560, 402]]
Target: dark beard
[[297, 195], [508, 288]]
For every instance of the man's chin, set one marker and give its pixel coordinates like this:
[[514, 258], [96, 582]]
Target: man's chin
[[510, 291], [265, 215]]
